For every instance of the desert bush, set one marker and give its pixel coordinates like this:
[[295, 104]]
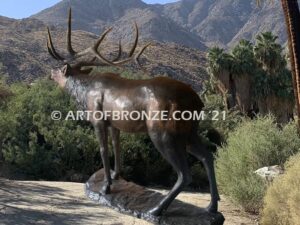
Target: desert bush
[[5, 93], [281, 203], [254, 144], [223, 127], [223, 124], [39, 146], [142, 163]]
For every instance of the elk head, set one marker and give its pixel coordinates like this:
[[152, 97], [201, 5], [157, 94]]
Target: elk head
[[72, 67]]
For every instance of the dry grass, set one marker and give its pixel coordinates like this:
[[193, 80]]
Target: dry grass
[[281, 204]]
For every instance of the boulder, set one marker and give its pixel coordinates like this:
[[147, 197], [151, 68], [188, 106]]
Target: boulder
[[269, 173]]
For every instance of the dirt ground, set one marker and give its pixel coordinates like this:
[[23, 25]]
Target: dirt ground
[[39, 202]]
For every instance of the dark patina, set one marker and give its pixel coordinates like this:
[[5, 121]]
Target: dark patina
[[174, 139]]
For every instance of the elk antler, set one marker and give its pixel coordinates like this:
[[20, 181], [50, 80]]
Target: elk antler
[[94, 49], [69, 35]]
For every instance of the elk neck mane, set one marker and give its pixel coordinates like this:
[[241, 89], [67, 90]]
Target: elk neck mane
[[78, 89]]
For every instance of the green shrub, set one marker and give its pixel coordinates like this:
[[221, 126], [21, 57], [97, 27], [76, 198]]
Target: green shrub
[[217, 130], [142, 163], [282, 201], [4, 93], [222, 123], [254, 144], [39, 146]]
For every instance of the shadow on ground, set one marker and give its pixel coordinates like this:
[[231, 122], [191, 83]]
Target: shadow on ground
[[34, 203]]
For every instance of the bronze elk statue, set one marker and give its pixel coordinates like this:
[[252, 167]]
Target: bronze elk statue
[[174, 139]]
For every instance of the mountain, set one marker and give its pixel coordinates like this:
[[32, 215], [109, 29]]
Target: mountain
[[24, 57], [95, 15], [194, 23], [5, 21], [269, 17], [177, 30]]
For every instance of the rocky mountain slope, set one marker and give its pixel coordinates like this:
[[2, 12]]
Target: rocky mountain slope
[[24, 56], [192, 23], [94, 16], [189, 22]]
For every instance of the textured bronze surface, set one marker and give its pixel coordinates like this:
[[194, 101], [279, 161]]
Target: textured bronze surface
[[130, 198], [109, 92]]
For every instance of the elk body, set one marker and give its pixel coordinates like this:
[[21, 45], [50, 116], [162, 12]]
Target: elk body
[[174, 139]]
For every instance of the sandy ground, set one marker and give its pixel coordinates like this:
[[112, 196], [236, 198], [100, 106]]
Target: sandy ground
[[39, 202]]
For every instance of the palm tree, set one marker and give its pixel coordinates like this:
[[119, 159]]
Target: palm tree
[[268, 52], [292, 19], [272, 84], [219, 68], [219, 61], [242, 69]]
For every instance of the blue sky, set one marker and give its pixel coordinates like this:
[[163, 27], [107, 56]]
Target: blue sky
[[23, 8]]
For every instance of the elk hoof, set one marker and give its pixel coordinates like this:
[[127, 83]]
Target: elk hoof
[[155, 211], [105, 189]]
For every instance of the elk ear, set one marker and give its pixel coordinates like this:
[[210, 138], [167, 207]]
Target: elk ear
[[66, 70]]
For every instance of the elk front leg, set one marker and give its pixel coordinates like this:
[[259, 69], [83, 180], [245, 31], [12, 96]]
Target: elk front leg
[[102, 135], [115, 135]]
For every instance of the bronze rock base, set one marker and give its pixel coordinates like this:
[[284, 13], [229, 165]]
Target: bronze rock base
[[130, 198]]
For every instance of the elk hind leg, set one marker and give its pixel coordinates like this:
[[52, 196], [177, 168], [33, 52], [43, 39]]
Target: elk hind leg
[[200, 151], [115, 135], [173, 150]]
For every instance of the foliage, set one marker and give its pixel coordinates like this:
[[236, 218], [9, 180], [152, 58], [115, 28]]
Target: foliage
[[243, 60], [5, 93], [268, 52], [142, 163], [264, 61], [280, 85], [218, 60], [253, 144], [217, 129], [281, 203], [213, 102], [39, 146], [256, 77], [272, 76]]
